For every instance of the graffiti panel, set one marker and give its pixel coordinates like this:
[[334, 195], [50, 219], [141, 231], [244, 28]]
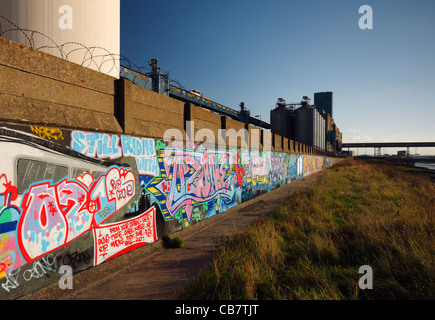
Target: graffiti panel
[[105, 146], [188, 178], [112, 240], [53, 215]]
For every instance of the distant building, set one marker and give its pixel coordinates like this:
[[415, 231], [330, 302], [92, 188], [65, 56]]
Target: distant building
[[324, 102], [310, 124], [332, 134], [310, 127], [282, 120]]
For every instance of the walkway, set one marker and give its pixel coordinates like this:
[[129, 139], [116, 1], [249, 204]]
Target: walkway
[[153, 272]]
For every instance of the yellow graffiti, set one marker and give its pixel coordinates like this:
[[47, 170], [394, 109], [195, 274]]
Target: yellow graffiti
[[6, 259], [47, 133], [312, 164]]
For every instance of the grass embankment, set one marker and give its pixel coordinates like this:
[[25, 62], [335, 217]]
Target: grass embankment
[[312, 247]]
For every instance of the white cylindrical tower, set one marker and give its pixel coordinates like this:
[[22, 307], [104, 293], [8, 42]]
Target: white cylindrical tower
[[86, 32]]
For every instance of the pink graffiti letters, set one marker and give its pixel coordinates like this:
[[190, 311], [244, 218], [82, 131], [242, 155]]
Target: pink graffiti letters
[[53, 215], [120, 184], [190, 177], [113, 190]]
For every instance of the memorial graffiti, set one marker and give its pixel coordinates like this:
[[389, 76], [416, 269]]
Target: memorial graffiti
[[114, 239]]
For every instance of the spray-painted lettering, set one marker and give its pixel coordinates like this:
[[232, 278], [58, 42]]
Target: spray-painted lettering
[[55, 214], [104, 146], [117, 238]]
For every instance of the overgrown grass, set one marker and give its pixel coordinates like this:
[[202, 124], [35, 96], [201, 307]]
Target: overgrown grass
[[172, 242], [359, 213]]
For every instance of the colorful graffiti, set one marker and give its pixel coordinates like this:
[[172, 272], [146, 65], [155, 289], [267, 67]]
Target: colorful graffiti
[[9, 217], [105, 146], [212, 181], [312, 164], [188, 178], [47, 204], [53, 215], [9, 213]]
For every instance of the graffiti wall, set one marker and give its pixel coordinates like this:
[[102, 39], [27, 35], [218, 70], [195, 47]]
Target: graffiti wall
[[82, 198]]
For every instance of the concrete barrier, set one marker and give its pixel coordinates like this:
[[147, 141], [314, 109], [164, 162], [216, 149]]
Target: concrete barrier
[[147, 113], [41, 89]]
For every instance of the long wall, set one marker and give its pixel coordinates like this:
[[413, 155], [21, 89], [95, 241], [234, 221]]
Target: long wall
[[87, 173]]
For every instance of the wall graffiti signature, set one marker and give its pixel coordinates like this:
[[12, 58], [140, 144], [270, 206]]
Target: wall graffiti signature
[[53, 215]]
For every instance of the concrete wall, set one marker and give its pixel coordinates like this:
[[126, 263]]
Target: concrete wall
[[39, 88], [206, 127], [147, 113], [86, 174]]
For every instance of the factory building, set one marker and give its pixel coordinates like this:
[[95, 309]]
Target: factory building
[[323, 102], [310, 124], [333, 135], [282, 120], [310, 127]]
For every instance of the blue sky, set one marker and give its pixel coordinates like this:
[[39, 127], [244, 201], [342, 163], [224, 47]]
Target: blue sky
[[257, 51]]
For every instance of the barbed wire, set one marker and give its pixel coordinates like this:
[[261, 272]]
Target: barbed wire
[[95, 57]]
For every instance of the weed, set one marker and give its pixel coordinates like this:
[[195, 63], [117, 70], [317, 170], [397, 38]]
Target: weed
[[358, 213], [172, 242]]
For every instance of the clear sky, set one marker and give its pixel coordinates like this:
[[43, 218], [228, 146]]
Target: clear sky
[[257, 51]]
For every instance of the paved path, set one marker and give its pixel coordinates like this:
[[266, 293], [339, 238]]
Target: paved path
[[154, 272]]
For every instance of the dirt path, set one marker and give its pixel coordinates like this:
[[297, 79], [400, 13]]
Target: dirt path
[[153, 272]]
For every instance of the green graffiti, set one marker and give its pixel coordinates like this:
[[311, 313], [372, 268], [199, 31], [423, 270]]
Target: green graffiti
[[160, 145]]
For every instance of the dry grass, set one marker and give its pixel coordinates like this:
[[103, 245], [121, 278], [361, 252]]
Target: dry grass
[[359, 213]]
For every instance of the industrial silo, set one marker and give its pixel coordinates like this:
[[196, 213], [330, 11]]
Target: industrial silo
[[322, 134], [310, 126], [317, 130], [86, 32], [282, 120], [305, 125]]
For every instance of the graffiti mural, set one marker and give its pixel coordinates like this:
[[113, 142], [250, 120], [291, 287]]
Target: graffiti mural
[[58, 187], [208, 182], [52, 215], [256, 173], [312, 164], [50, 196], [188, 178], [9, 217]]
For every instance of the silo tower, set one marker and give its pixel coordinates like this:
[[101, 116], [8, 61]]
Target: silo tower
[[86, 32]]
